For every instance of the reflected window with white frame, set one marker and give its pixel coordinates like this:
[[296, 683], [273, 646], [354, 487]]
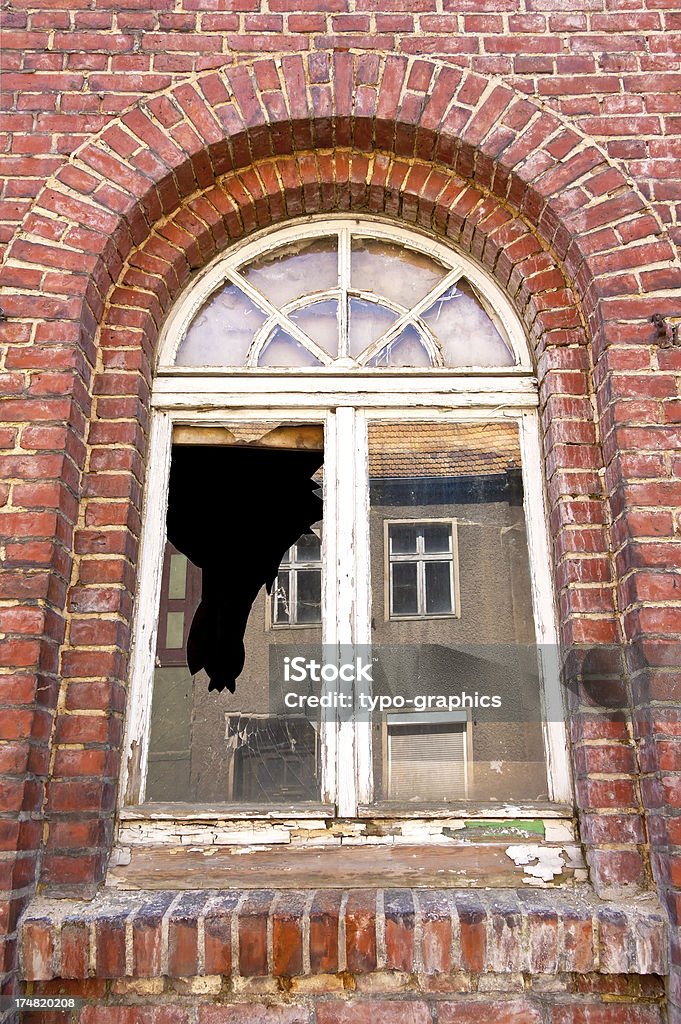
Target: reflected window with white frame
[[423, 576]]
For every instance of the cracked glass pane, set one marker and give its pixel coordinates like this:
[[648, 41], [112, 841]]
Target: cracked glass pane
[[452, 616], [406, 350], [392, 271], [368, 321], [222, 331], [465, 331], [294, 270], [283, 350], [236, 511], [320, 322]]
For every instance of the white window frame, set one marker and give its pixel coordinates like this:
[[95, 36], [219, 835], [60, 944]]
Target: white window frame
[[343, 400], [420, 558]]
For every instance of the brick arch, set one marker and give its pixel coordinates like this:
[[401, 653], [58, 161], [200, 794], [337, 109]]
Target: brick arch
[[171, 181], [149, 160]]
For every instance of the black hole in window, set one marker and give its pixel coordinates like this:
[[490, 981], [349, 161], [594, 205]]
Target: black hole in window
[[234, 512]]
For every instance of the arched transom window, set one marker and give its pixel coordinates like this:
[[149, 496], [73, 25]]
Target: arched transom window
[[344, 294]]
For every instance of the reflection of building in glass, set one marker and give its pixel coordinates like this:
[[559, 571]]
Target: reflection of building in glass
[[450, 591]]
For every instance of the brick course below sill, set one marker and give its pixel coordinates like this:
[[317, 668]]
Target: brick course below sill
[[432, 935]]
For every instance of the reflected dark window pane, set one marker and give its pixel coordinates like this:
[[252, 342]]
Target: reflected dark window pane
[[438, 588], [437, 537], [404, 588], [402, 539], [309, 602]]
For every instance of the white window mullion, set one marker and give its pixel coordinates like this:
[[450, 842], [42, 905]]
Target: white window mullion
[[344, 264], [352, 571], [363, 591]]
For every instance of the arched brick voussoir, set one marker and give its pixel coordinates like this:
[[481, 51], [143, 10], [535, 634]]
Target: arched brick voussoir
[[147, 162]]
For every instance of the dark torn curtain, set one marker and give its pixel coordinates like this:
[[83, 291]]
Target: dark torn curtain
[[234, 512]]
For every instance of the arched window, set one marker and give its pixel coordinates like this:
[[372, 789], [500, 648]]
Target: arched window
[[345, 605]]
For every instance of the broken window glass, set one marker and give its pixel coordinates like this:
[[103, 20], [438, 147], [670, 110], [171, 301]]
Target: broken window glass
[[311, 302], [465, 331], [452, 616], [368, 321], [241, 515], [320, 322], [222, 331], [407, 349], [291, 271], [283, 350], [393, 271]]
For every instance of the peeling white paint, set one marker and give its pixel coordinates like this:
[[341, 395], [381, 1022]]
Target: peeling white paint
[[542, 862]]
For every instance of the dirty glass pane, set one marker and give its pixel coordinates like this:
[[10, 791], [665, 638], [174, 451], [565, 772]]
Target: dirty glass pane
[[402, 538], [320, 322], [459, 625], [437, 537], [309, 597], [235, 511], [404, 588], [392, 271], [294, 270], [368, 321], [438, 588], [466, 333], [222, 331], [308, 548], [406, 350], [283, 350]]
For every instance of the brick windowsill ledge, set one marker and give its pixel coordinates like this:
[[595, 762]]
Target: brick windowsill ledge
[[439, 937]]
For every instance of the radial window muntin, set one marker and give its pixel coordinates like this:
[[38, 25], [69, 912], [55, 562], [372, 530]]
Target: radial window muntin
[[227, 269]]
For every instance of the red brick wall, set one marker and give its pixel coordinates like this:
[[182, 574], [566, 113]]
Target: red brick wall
[[543, 143]]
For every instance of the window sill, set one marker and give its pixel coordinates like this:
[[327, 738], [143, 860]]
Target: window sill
[[378, 860], [434, 936]]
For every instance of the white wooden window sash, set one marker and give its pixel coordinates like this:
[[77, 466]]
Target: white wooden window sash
[[347, 780]]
